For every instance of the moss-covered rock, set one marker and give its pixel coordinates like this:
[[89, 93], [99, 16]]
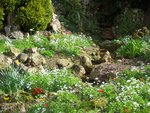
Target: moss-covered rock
[[36, 14]]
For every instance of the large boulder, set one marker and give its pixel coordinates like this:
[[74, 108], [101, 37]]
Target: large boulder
[[78, 70], [23, 57], [86, 63], [105, 71], [37, 59], [36, 69], [64, 63], [4, 61], [14, 52], [17, 35]]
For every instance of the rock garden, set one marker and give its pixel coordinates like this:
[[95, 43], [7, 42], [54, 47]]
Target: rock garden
[[61, 71]]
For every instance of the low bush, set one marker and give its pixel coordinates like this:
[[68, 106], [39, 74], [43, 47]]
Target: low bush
[[35, 15], [129, 21]]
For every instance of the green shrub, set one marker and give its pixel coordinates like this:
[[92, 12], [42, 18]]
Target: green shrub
[[36, 14], [1, 18], [129, 21], [9, 5]]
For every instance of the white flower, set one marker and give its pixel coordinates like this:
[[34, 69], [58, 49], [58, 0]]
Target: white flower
[[96, 78], [117, 98], [137, 86], [148, 104], [128, 81], [118, 83], [136, 104]]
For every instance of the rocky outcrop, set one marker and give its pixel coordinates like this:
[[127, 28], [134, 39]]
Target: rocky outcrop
[[29, 60]]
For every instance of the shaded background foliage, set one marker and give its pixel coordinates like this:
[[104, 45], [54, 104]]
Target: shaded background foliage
[[87, 16], [92, 16]]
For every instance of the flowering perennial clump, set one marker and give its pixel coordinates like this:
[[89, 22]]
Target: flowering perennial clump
[[101, 90], [37, 91]]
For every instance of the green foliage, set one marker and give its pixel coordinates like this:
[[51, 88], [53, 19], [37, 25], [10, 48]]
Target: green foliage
[[89, 93], [24, 43], [71, 44], [67, 44], [137, 74], [128, 22], [74, 14], [131, 49], [31, 14], [66, 102], [54, 81], [3, 46], [70, 12], [9, 5], [35, 15], [11, 80], [134, 48], [127, 94], [1, 17]]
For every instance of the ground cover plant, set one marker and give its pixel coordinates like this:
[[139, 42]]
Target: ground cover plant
[[131, 47], [60, 91], [68, 44]]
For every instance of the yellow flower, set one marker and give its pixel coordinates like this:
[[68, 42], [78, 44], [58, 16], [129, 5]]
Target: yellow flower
[[17, 62], [6, 98], [52, 36], [40, 99]]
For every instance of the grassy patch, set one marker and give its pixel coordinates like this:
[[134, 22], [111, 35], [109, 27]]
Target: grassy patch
[[24, 43]]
